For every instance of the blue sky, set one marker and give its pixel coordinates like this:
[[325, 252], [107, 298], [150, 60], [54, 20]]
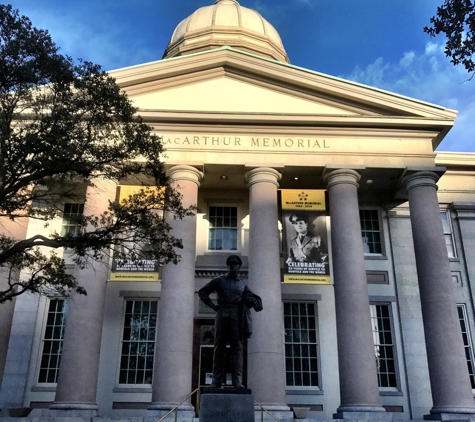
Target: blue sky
[[375, 42]]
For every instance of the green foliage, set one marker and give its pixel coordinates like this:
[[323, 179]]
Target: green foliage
[[63, 126], [456, 19]]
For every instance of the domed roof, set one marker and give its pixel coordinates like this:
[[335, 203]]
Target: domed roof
[[226, 23]]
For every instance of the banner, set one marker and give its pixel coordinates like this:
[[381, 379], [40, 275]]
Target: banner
[[305, 237], [143, 269]]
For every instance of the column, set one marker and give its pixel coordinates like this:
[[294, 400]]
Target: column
[[15, 229], [78, 373], [174, 344], [359, 391], [6, 317], [15, 376], [266, 359], [451, 390]]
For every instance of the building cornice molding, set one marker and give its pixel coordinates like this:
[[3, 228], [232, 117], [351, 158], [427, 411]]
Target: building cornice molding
[[383, 125], [265, 69], [464, 210]]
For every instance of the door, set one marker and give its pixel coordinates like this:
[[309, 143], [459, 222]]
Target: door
[[203, 344]]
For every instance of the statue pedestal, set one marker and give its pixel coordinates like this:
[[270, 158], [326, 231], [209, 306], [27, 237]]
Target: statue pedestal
[[227, 405]]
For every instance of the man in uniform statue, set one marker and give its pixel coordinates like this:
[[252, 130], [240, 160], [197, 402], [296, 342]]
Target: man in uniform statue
[[233, 321]]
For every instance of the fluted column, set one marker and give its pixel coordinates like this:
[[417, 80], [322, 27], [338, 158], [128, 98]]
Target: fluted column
[[78, 373], [174, 344], [359, 391], [451, 389], [266, 359]]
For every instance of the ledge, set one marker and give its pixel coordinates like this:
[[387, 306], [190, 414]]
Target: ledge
[[132, 389], [305, 392]]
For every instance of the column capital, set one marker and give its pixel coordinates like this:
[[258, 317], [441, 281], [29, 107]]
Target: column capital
[[183, 172], [420, 178], [342, 176], [263, 174]]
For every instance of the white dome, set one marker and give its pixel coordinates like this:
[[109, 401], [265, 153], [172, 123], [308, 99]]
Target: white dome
[[226, 23]]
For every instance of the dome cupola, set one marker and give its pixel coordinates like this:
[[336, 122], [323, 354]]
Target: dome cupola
[[226, 23]]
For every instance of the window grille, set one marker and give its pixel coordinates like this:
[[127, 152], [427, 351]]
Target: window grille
[[223, 227], [138, 342], [71, 215], [448, 234], [53, 341], [371, 232], [301, 348], [467, 342], [384, 346]]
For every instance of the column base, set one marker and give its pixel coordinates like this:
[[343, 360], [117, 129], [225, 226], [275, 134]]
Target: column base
[[452, 415], [65, 414], [363, 413], [14, 412]]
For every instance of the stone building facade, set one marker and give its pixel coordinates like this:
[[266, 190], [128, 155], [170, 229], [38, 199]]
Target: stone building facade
[[241, 124]]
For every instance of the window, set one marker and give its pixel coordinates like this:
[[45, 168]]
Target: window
[[301, 364], [71, 214], [448, 234], [138, 342], [467, 342], [384, 348], [370, 232], [223, 224], [53, 341]]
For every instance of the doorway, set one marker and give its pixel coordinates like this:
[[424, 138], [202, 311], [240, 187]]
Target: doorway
[[203, 344]]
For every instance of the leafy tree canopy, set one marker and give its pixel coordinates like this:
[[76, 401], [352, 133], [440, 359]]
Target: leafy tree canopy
[[456, 19], [63, 127]]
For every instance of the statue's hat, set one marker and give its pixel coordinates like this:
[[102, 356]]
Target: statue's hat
[[233, 258]]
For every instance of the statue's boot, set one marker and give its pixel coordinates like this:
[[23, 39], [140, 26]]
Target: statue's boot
[[216, 383], [237, 382]]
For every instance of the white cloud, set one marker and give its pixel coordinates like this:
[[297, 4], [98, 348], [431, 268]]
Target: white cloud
[[433, 48], [428, 76], [407, 59]]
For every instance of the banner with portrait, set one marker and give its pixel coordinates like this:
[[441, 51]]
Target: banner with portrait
[[305, 237], [142, 269]]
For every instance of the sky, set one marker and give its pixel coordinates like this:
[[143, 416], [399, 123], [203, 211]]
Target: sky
[[379, 43]]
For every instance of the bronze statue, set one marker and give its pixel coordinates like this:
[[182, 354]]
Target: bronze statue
[[233, 319]]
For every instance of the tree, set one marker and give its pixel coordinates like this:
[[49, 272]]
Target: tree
[[64, 126], [456, 19]]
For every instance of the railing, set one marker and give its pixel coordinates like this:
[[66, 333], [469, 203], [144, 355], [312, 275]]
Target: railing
[[263, 409], [175, 409]]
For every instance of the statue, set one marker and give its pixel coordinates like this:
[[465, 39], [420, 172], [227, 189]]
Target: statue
[[233, 319]]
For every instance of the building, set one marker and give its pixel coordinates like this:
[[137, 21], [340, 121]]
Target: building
[[242, 126]]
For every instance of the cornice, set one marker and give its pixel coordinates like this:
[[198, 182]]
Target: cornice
[[424, 126], [455, 159], [300, 78]]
